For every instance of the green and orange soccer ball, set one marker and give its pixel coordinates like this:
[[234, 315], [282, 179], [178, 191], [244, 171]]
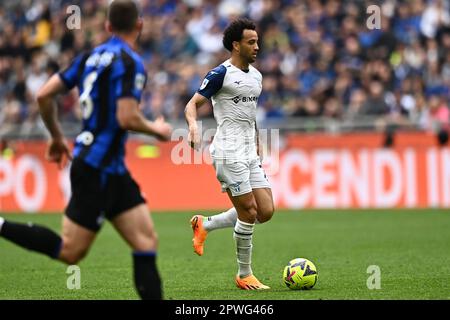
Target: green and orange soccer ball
[[300, 274]]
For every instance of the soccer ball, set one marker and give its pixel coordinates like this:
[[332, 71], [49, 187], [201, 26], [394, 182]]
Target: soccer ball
[[300, 274]]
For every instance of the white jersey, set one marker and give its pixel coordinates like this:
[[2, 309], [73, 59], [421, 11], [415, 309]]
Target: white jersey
[[234, 94]]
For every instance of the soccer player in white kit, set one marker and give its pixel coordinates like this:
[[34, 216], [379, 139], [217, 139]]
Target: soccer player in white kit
[[234, 88]]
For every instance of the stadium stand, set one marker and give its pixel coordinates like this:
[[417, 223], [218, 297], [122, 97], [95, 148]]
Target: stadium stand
[[323, 68]]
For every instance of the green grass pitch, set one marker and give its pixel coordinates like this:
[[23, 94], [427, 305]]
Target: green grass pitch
[[411, 248]]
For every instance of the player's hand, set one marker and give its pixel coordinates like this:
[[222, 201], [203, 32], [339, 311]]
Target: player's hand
[[194, 138], [163, 129], [58, 151]]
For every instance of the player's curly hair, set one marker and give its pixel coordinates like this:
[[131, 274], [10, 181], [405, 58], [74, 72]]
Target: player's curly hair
[[235, 30]]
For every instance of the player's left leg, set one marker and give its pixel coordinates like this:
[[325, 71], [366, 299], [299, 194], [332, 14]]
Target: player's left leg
[[245, 204], [136, 228], [261, 191], [128, 212]]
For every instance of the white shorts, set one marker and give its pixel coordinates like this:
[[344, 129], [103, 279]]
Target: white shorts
[[240, 177]]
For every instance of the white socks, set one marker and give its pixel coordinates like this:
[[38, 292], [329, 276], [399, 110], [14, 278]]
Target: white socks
[[222, 220], [243, 233], [1, 223]]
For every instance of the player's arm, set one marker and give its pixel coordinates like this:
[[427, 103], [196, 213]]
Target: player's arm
[[131, 118], [58, 149], [210, 86], [129, 92], [190, 113], [47, 107]]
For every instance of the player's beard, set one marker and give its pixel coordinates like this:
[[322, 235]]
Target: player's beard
[[250, 58]]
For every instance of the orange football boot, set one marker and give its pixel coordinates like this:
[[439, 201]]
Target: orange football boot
[[200, 234], [250, 283]]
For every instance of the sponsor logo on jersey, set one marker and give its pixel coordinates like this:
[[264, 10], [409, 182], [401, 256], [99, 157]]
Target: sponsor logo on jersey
[[237, 99]]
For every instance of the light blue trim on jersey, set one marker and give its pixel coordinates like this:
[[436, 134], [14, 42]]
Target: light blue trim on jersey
[[213, 82]]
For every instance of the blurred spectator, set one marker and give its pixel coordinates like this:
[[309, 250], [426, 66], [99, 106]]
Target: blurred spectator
[[435, 16], [375, 103], [439, 114], [10, 110], [357, 100]]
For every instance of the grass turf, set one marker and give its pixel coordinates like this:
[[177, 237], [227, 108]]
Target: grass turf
[[411, 247]]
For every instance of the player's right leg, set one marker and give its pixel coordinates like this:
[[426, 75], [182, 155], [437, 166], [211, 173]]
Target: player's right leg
[[202, 225], [76, 241], [69, 248], [79, 226], [83, 217], [32, 237], [200, 233]]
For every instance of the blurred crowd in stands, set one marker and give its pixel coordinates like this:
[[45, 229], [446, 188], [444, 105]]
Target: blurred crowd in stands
[[319, 58]]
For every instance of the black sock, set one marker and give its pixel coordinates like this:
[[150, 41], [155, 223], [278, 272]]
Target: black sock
[[146, 277], [33, 237]]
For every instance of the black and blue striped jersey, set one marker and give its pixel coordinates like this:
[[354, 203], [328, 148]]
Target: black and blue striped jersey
[[104, 75]]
